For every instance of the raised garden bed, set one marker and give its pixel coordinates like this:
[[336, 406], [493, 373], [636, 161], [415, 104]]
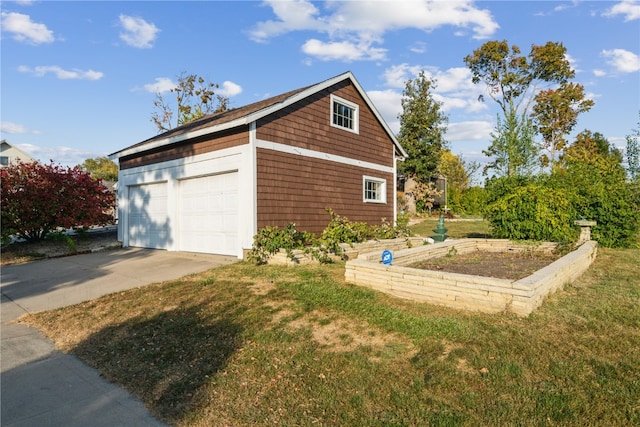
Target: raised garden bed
[[469, 291]]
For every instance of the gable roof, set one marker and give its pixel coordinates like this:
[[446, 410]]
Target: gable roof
[[217, 122]]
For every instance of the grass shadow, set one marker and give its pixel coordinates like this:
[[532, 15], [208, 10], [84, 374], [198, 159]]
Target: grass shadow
[[166, 358]]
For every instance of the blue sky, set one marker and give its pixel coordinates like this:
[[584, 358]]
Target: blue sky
[[79, 77]]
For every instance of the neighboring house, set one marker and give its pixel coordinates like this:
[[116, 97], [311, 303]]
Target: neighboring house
[[209, 185], [409, 193], [10, 153]]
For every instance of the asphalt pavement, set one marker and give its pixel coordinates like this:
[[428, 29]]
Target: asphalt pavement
[[40, 386]]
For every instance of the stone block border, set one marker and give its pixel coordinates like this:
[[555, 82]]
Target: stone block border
[[462, 291]]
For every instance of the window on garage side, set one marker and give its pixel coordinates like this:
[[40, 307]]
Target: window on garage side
[[344, 114], [375, 190]]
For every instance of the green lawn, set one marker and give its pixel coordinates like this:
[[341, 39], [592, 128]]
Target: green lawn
[[270, 345], [473, 228]]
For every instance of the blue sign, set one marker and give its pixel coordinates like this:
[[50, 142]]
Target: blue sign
[[387, 257]]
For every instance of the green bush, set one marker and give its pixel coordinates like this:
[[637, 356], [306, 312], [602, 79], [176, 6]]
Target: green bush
[[605, 198], [532, 212], [271, 239], [472, 201]]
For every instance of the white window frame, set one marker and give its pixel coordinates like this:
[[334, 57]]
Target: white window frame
[[382, 196], [348, 104]]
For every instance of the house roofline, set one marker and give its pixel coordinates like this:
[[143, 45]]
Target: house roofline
[[256, 115]]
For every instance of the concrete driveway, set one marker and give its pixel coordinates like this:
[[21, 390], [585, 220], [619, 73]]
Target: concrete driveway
[[43, 387]]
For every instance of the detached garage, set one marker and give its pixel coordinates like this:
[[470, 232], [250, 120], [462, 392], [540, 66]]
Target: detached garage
[[209, 185]]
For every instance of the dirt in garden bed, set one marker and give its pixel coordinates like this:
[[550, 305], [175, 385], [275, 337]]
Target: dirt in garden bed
[[502, 265]]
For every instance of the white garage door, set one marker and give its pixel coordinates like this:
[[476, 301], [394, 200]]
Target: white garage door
[[209, 214], [147, 220]]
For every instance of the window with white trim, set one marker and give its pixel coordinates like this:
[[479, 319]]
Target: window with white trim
[[344, 114], [375, 190]]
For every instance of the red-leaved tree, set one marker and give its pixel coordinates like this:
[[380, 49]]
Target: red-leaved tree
[[38, 198]]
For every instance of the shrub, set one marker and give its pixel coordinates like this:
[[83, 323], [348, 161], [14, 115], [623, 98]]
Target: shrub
[[473, 200], [271, 239], [36, 198], [532, 212]]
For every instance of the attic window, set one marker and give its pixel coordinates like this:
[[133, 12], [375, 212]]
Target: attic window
[[344, 114], [375, 190]]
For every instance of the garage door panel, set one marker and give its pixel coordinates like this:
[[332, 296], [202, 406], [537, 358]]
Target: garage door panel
[[148, 224], [209, 214]]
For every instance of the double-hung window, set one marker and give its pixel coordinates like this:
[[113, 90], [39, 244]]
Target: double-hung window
[[375, 190], [344, 114]]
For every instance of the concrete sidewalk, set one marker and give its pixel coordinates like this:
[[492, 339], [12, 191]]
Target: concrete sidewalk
[[41, 386]]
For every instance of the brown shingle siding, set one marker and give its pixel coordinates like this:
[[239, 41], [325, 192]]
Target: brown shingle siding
[[201, 145], [306, 124], [297, 189]]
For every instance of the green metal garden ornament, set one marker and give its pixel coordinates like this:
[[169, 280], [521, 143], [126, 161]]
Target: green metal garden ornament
[[440, 231]]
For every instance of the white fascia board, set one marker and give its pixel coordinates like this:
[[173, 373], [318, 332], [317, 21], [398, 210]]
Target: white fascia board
[[179, 138]]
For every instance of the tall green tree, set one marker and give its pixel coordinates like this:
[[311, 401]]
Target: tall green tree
[[632, 153], [194, 97], [512, 80], [555, 114], [513, 149], [422, 128], [100, 168]]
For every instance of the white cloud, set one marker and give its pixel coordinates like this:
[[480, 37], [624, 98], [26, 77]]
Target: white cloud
[[66, 156], [599, 73], [345, 51], [61, 73], [387, 102], [25, 30], [353, 25], [629, 8], [469, 131], [453, 87], [161, 85], [622, 60], [138, 32], [8, 127], [230, 89]]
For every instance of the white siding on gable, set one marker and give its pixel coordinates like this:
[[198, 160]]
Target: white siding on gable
[[147, 217], [208, 213]]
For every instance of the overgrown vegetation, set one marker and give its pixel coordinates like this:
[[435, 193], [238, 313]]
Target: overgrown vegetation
[[271, 345], [340, 229]]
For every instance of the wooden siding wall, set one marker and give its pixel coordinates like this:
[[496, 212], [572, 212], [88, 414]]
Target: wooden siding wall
[[306, 124], [200, 145], [297, 189]]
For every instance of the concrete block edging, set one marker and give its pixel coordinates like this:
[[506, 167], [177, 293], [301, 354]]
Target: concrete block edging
[[469, 292]]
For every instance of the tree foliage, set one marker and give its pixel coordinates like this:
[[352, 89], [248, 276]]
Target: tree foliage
[[457, 179], [422, 128], [195, 97], [37, 198], [100, 168], [512, 80], [555, 114], [632, 153], [513, 149]]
